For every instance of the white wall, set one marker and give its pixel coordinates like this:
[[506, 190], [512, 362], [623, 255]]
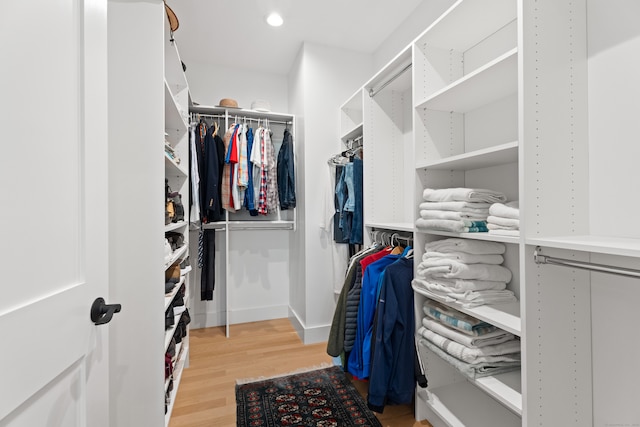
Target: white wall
[[329, 76], [414, 25], [209, 84]]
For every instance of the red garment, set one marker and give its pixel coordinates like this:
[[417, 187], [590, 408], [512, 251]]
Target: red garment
[[364, 262]]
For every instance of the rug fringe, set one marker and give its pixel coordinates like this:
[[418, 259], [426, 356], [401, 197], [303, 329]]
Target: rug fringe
[[241, 381]]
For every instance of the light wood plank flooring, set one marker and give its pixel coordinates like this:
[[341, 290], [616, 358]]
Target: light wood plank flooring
[[206, 396]]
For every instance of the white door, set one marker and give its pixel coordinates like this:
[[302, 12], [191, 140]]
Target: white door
[[53, 156]]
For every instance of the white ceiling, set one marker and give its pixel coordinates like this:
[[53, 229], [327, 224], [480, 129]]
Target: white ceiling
[[233, 33]]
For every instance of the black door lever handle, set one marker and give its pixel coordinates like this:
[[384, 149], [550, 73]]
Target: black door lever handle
[[102, 313]]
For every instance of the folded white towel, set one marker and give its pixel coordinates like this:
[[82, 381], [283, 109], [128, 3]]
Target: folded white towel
[[463, 195], [452, 215], [461, 285], [504, 222], [468, 207], [469, 299], [496, 337], [442, 224], [514, 233], [469, 246], [509, 349], [467, 258], [492, 226], [508, 210], [450, 269]]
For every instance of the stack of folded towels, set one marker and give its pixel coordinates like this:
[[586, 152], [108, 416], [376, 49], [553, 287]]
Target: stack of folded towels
[[474, 347], [465, 271], [504, 219], [459, 210]]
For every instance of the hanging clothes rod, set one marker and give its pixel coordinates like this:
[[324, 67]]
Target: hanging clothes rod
[[619, 271], [374, 92]]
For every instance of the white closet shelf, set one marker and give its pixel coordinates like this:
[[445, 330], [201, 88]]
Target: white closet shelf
[[474, 236], [177, 254], [174, 226], [177, 375], [398, 226], [505, 388], [173, 68], [590, 243], [504, 316], [445, 31], [174, 169], [168, 298], [173, 116], [350, 134], [492, 156], [261, 225], [464, 405], [489, 83], [240, 112]]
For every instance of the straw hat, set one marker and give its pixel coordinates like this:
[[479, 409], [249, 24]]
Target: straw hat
[[173, 19], [228, 103]]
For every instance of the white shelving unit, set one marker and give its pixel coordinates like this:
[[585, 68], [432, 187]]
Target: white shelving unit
[[176, 100], [537, 100]]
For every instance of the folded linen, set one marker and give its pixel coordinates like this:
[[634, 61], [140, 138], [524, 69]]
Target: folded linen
[[442, 224], [504, 222], [466, 258], [514, 233], [467, 299], [506, 352], [456, 244], [468, 207], [450, 269], [500, 227], [456, 319], [506, 210], [471, 371], [461, 285], [492, 338], [463, 195], [453, 215]]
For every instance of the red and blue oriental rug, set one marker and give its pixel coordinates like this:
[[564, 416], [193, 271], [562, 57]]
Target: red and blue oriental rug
[[318, 398]]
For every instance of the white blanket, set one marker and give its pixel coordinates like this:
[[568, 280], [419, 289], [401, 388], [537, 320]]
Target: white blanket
[[508, 351], [496, 337], [466, 245], [504, 222], [461, 285], [508, 210], [470, 207], [466, 258], [442, 225], [467, 299], [452, 269], [463, 195], [514, 233], [452, 215]]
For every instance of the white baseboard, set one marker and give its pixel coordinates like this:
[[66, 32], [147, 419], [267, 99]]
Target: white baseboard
[[308, 335], [218, 318]]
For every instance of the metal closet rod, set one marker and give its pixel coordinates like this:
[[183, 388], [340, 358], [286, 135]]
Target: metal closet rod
[[374, 92], [232, 116], [619, 271]]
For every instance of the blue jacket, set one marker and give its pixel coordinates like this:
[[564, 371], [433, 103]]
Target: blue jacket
[[393, 378], [360, 356], [285, 173]]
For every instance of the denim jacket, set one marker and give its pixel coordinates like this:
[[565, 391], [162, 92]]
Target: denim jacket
[[285, 173]]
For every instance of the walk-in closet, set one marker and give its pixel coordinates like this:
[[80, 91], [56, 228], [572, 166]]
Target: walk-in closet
[[400, 214]]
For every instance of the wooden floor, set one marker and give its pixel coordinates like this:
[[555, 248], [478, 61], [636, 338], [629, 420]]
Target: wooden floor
[[206, 395]]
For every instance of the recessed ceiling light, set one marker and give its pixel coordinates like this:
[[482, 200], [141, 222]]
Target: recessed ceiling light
[[275, 20]]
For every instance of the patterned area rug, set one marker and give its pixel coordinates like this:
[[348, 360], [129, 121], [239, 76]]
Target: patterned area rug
[[319, 398]]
